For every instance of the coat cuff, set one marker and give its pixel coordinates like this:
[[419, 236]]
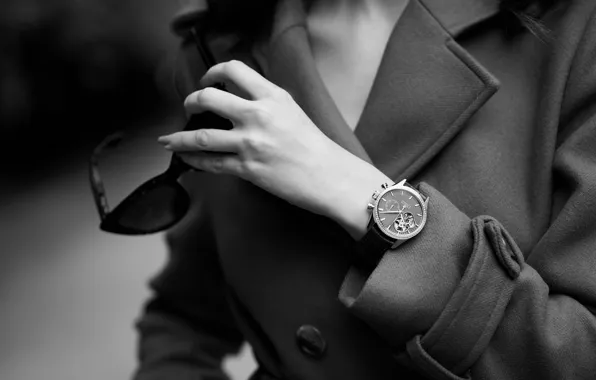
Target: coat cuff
[[438, 298]]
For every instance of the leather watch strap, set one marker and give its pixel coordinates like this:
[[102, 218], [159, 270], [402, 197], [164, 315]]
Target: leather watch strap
[[373, 246]]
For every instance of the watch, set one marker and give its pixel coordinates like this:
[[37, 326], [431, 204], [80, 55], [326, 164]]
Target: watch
[[398, 213]]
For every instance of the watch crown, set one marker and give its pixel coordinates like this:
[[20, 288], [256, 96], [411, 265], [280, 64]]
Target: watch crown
[[370, 206]]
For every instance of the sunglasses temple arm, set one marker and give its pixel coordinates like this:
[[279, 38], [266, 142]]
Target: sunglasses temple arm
[[205, 53], [99, 193]]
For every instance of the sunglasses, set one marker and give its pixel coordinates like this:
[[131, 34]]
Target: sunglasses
[[162, 201]]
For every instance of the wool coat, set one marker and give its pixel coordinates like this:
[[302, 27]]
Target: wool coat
[[498, 129]]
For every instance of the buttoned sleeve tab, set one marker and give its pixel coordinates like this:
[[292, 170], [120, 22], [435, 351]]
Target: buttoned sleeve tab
[[439, 297], [463, 330]]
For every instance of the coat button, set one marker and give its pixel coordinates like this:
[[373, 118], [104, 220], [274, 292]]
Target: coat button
[[310, 341]]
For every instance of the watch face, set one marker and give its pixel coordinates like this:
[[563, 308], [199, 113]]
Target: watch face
[[400, 212]]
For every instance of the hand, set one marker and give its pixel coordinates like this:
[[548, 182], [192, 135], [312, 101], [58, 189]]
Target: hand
[[277, 147]]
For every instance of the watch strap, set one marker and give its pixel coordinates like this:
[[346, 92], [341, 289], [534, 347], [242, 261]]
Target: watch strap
[[373, 246]]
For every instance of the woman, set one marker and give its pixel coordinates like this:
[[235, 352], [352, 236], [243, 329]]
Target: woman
[[483, 269]]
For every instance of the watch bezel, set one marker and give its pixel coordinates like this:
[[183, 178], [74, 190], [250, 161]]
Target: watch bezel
[[423, 202]]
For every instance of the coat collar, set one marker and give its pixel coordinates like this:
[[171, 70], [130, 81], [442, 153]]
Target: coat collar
[[426, 89], [456, 16]]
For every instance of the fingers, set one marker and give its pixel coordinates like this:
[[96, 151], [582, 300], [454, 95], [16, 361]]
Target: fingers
[[222, 103], [247, 79], [211, 140], [217, 163]]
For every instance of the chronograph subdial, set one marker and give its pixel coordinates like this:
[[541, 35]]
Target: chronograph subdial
[[400, 213], [391, 205]]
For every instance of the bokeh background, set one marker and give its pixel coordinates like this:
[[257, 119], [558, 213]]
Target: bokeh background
[[72, 71]]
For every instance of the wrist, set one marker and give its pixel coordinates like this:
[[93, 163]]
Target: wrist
[[355, 192]]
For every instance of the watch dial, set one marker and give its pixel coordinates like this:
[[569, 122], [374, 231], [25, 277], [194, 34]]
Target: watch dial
[[400, 213]]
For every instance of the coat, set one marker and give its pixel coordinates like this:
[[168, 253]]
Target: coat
[[498, 130]]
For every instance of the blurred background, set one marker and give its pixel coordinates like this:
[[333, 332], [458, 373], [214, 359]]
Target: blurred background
[[72, 71]]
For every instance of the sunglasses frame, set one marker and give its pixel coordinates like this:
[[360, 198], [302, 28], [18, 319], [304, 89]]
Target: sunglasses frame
[[109, 218]]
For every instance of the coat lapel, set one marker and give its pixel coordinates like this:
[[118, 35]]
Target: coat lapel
[[426, 89]]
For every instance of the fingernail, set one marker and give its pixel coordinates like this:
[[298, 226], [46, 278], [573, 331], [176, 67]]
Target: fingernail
[[163, 140], [168, 147]]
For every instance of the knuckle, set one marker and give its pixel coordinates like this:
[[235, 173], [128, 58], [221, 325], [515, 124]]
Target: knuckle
[[217, 164], [260, 114], [229, 67], [257, 147], [203, 95], [282, 94], [216, 67], [190, 99], [193, 99], [248, 168], [252, 143], [202, 138], [234, 64]]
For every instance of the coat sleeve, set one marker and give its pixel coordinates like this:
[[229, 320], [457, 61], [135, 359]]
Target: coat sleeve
[[459, 300], [187, 327]]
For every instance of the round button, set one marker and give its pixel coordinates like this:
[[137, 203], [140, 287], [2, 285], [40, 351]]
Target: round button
[[310, 341]]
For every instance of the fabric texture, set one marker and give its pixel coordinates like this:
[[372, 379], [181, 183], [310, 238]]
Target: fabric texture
[[499, 131]]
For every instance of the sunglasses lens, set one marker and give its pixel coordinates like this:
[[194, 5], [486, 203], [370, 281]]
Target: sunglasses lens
[[154, 209]]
